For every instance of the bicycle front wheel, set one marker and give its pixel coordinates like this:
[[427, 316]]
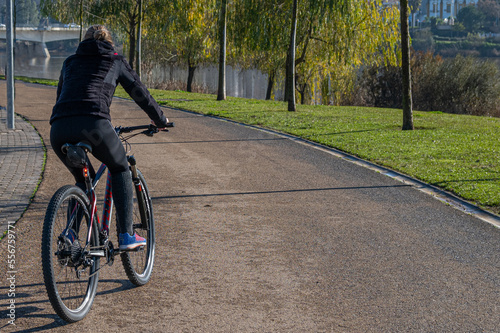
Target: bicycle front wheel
[[69, 271], [138, 265]]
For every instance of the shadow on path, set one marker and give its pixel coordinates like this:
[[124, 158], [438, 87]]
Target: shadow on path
[[27, 308], [276, 191]]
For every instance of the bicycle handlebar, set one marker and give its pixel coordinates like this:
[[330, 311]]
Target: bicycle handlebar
[[149, 129]]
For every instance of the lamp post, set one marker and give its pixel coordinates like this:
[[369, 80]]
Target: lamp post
[[10, 67]]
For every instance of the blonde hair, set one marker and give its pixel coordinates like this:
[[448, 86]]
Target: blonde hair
[[98, 32]]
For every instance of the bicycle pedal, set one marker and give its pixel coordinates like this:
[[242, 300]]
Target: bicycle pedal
[[137, 249]]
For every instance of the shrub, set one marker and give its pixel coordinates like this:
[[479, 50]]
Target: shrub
[[423, 40], [469, 86], [425, 79], [381, 86], [462, 85]]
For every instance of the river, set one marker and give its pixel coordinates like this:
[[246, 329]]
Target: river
[[40, 68]]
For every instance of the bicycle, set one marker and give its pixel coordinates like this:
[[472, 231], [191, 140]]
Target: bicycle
[[71, 268]]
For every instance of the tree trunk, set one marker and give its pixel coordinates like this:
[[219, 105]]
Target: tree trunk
[[290, 88], [139, 40], [270, 83], [191, 70], [221, 94], [132, 46], [296, 61], [302, 91], [406, 71], [287, 76]]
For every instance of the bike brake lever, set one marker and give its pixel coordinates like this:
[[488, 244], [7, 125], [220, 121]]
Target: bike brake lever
[[151, 130]]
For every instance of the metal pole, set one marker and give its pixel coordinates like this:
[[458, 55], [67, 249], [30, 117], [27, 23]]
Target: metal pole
[[10, 67]]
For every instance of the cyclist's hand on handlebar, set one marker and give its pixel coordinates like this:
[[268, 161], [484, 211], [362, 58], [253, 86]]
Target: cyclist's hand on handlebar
[[159, 127], [164, 126]]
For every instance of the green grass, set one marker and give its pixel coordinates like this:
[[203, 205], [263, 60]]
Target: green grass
[[34, 80], [458, 153]]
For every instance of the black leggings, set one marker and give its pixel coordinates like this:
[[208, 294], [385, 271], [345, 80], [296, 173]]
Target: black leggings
[[107, 148]]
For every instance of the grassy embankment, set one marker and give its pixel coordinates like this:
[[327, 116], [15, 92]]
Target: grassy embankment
[[458, 153]]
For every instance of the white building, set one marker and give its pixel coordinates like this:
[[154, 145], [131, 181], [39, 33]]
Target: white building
[[444, 9]]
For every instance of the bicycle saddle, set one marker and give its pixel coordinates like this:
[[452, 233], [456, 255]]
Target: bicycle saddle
[[76, 155]]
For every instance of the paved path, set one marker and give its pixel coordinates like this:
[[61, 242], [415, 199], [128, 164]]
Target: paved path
[[256, 233], [21, 162]]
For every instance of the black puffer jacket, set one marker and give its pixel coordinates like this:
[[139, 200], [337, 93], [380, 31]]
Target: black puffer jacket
[[88, 81]]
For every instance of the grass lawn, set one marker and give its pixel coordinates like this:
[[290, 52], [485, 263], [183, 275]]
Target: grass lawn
[[458, 153]]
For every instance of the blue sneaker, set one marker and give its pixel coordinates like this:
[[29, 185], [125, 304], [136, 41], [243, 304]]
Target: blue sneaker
[[128, 242]]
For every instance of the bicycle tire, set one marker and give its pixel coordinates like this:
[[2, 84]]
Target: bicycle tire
[[138, 265], [71, 294]]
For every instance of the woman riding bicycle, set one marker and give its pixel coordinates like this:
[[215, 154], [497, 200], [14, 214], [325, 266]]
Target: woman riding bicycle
[[81, 113]]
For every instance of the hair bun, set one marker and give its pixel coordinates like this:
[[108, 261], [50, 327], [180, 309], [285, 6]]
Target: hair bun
[[99, 32]]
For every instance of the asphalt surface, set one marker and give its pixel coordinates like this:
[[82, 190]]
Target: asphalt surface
[[256, 233]]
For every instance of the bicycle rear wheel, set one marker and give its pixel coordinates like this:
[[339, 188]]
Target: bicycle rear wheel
[[69, 272], [138, 265]]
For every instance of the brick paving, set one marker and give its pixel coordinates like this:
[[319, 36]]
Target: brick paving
[[21, 163]]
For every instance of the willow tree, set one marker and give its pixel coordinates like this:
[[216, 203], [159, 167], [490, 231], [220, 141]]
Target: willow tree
[[67, 11], [335, 45], [186, 30], [26, 12], [333, 37], [337, 35], [258, 40]]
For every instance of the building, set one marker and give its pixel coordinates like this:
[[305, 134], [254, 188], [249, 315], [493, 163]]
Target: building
[[443, 9]]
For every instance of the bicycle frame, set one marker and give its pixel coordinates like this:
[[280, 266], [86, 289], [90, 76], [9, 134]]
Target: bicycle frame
[[108, 200], [103, 224]]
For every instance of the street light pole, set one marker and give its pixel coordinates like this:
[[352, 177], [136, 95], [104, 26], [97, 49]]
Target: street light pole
[[10, 67]]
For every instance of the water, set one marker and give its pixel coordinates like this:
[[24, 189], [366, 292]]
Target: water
[[40, 68]]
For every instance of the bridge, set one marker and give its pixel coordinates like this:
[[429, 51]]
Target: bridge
[[41, 36]]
